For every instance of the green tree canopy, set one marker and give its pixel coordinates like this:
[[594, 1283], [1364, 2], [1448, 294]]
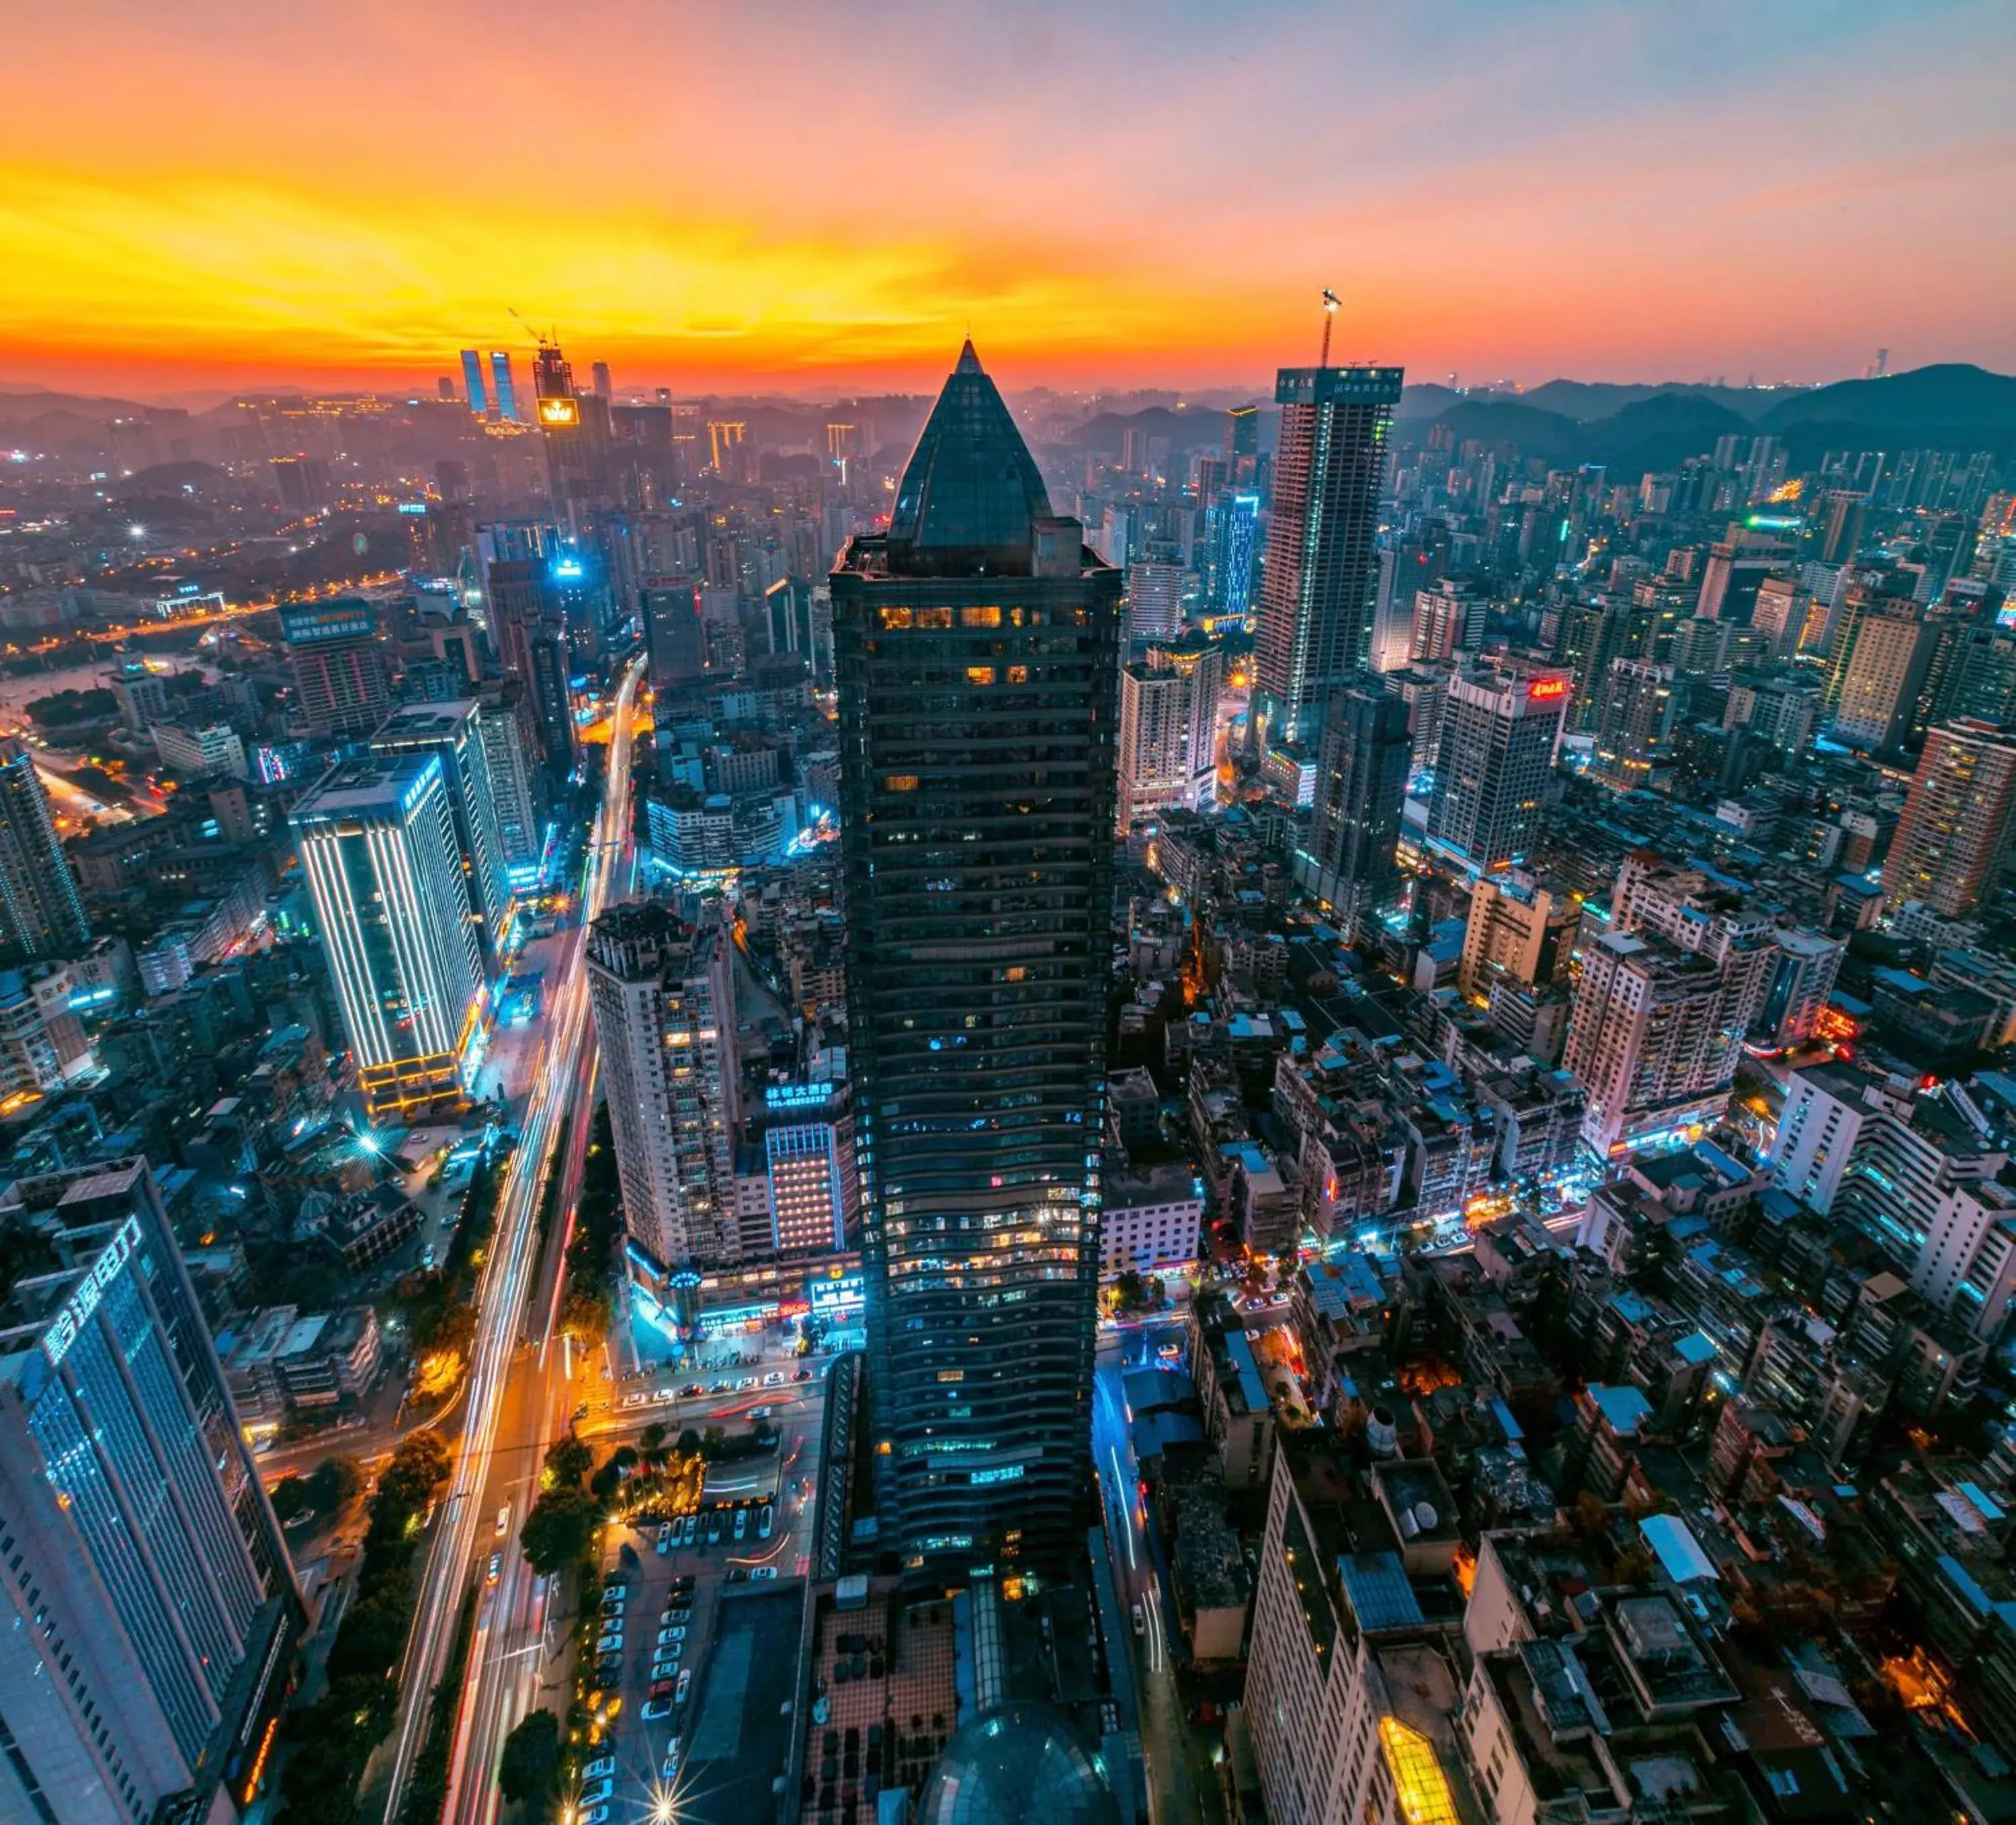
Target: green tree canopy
[[530, 1768], [290, 1497], [568, 1460], [559, 1530]]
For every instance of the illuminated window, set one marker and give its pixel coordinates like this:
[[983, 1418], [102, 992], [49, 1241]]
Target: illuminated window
[[980, 617], [895, 617], [933, 617], [1018, 675], [979, 675], [1421, 1787], [951, 1375], [899, 782]]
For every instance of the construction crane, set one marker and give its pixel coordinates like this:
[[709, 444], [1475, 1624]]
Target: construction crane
[[552, 338], [1331, 304]]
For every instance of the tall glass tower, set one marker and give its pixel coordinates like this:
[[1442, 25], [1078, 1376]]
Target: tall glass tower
[[1316, 597], [977, 655]]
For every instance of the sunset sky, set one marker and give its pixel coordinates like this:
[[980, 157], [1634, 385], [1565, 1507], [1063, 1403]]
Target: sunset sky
[[799, 194]]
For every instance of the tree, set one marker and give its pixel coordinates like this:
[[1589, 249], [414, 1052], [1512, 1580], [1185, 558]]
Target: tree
[[567, 1461], [419, 1466], [559, 1530], [689, 1443], [333, 1482], [290, 1497], [586, 1315], [651, 1442], [531, 1767], [1129, 1293]]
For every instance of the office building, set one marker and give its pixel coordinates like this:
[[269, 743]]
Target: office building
[[471, 382], [1737, 564], [453, 731], [1499, 726], [201, 753], [1350, 864], [148, 1611], [342, 684], [663, 992], [808, 1187], [528, 628], [304, 483], [1448, 619], [503, 387], [977, 649], [1236, 538], [676, 651], [1316, 593], [1845, 512], [378, 847], [1960, 820], [42, 911], [1521, 930], [1154, 601], [1634, 726]]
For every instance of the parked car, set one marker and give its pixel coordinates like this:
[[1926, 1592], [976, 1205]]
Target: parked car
[[597, 1790], [741, 1522], [762, 1573], [664, 1539], [595, 1814], [692, 1531], [655, 1709], [674, 1633], [601, 1765], [494, 1569], [610, 1643]]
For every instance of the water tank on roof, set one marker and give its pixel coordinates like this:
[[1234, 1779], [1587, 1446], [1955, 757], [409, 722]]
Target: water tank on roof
[[1381, 1436], [1409, 1528], [1425, 1517]]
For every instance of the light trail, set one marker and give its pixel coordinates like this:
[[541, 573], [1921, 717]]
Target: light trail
[[501, 1295]]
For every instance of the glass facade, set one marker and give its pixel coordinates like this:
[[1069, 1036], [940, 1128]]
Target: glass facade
[[977, 682]]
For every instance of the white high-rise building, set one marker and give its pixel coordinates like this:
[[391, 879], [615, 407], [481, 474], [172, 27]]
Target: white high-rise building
[[663, 993], [378, 847], [1499, 731]]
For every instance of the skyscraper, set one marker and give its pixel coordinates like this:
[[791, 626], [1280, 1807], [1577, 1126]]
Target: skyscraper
[[977, 662], [341, 681], [1154, 601], [1499, 729], [42, 912], [452, 730], [1316, 595], [528, 627], [1237, 535], [1882, 652], [149, 1609], [1958, 820], [663, 992], [1634, 725], [378, 846], [1200, 661], [1153, 764], [672, 632], [1350, 864], [509, 762], [471, 382], [503, 387]]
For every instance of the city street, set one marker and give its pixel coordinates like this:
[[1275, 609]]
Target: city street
[[505, 1428], [1181, 1786]]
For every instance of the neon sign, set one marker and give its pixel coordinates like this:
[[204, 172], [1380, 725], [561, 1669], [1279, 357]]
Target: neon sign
[[77, 1310], [1547, 687]]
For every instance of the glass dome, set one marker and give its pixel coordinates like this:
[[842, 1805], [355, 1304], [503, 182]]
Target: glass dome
[[1016, 1765]]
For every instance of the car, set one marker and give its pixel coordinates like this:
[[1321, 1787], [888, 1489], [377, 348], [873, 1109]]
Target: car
[[601, 1765], [614, 1598], [669, 1770], [713, 1529], [760, 1412], [762, 1573], [746, 1382], [608, 1669], [1169, 1351], [655, 1710], [494, 1569], [741, 1522], [691, 1389], [774, 1379], [682, 1583], [595, 1814], [610, 1643], [659, 1689], [803, 1375], [664, 1539], [763, 1522], [596, 1792], [1140, 1621], [686, 1683], [663, 1397], [674, 1633], [737, 1574], [722, 1386], [503, 1521]]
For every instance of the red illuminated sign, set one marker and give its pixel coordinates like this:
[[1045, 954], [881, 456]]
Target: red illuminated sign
[[1547, 687]]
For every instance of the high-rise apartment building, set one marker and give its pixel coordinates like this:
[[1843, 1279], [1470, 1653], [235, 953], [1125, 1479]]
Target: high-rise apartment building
[[378, 847], [42, 911], [1448, 619], [664, 995], [1322, 571], [1154, 601], [1634, 725], [528, 627], [515, 800], [1520, 929], [342, 684], [148, 1610], [1499, 726], [1154, 766], [1655, 1038], [1350, 864], [1882, 651], [676, 652], [1960, 820], [453, 731], [977, 663], [1199, 661]]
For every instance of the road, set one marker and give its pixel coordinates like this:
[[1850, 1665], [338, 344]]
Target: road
[[503, 1438], [1181, 1790]]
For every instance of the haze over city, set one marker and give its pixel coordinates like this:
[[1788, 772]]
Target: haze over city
[[201, 195]]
